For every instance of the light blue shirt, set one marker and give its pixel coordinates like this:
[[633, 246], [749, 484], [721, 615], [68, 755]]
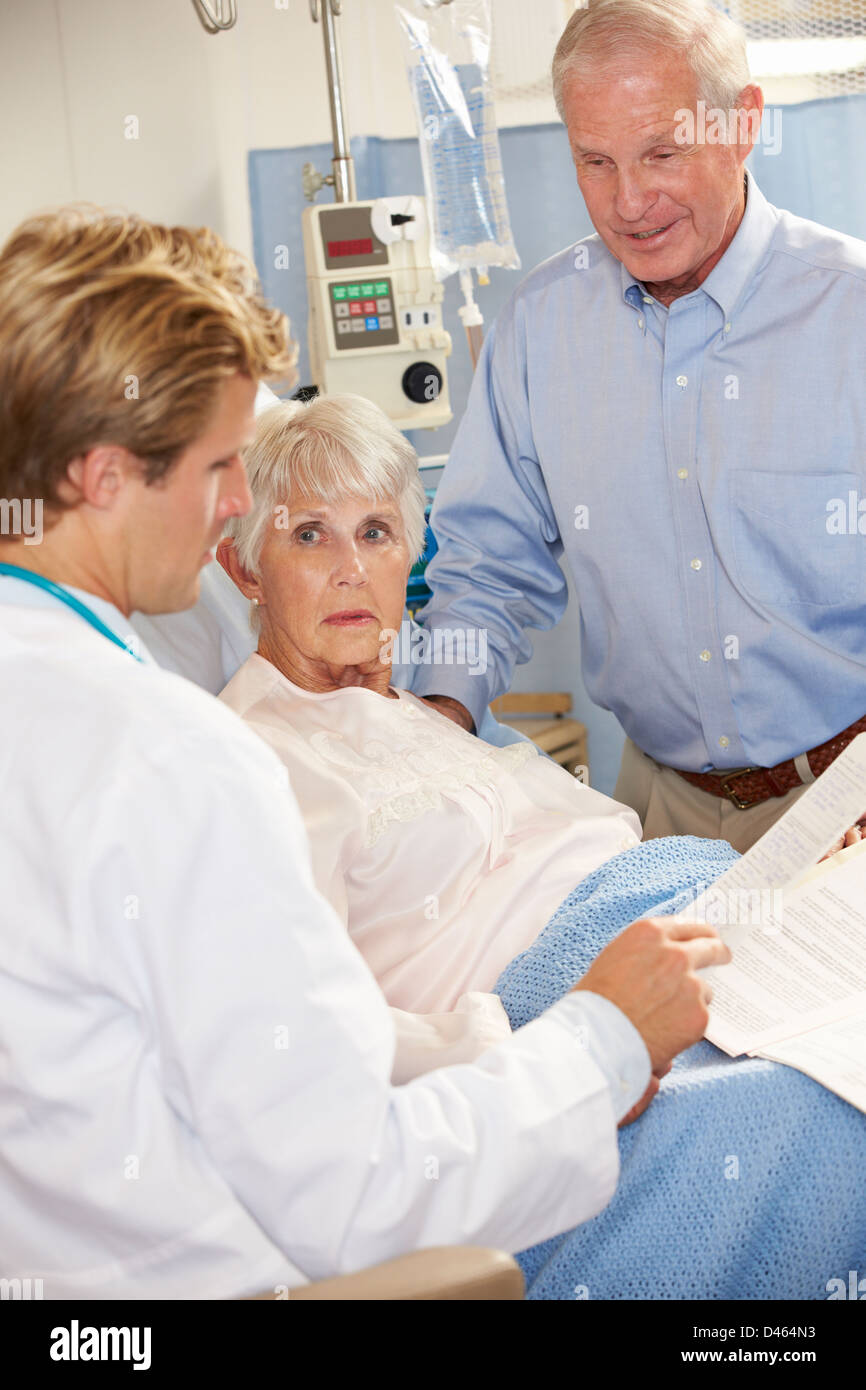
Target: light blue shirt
[[703, 470]]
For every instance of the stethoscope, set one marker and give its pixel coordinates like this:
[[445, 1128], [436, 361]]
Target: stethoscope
[[71, 601]]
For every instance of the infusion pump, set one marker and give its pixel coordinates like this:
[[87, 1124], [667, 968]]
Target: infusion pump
[[375, 308]]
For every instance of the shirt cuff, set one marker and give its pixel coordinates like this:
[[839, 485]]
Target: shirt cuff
[[613, 1043]]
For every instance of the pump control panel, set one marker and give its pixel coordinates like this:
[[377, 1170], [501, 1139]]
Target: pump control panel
[[375, 308]]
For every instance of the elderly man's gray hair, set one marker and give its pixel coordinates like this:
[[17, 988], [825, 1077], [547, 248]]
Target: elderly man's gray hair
[[334, 447], [714, 46]]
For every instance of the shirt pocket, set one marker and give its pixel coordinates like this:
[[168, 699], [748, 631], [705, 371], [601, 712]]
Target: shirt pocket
[[786, 543]]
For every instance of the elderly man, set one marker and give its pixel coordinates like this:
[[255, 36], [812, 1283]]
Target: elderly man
[[196, 1095], [676, 405]]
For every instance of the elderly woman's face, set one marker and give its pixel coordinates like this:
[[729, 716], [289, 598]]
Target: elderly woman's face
[[333, 577]]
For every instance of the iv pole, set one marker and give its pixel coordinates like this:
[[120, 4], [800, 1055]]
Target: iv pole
[[342, 176], [342, 164]]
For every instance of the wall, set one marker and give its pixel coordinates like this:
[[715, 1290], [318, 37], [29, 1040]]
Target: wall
[[73, 70]]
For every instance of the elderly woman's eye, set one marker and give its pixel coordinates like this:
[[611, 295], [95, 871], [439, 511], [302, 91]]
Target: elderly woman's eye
[[381, 530], [306, 533]]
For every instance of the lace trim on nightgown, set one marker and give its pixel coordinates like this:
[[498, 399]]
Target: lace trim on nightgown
[[403, 785]]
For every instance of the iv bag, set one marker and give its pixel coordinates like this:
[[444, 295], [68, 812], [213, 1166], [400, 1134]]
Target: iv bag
[[448, 49]]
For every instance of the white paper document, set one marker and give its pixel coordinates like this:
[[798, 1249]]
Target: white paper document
[[795, 990], [806, 832], [801, 966], [835, 1055]]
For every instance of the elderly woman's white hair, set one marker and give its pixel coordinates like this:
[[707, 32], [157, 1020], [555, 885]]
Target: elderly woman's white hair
[[714, 46], [331, 448]]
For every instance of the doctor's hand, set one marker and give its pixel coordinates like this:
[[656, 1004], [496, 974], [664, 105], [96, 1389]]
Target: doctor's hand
[[452, 709], [646, 1099], [851, 837], [650, 972]]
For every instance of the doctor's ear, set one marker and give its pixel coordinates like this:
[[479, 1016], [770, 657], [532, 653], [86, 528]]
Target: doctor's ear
[[99, 476], [241, 578]]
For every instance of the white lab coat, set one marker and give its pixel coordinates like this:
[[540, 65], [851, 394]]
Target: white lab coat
[[195, 1098]]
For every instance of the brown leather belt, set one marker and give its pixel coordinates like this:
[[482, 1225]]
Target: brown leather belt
[[756, 784]]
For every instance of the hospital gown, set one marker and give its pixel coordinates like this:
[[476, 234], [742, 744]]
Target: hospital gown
[[444, 857]]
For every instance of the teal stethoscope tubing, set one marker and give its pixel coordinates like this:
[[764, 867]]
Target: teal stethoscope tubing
[[40, 582]]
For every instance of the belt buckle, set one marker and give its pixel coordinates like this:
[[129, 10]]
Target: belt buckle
[[738, 801]]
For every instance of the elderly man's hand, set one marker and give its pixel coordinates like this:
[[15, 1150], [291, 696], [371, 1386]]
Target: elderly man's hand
[[650, 972], [452, 709]]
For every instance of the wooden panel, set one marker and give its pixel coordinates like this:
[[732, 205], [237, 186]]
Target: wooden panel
[[533, 702], [563, 740], [549, 734]]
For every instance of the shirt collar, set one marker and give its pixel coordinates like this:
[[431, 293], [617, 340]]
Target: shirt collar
[[727, 281], [24, 595]]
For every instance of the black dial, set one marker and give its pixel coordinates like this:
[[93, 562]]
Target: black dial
[[422, 382]]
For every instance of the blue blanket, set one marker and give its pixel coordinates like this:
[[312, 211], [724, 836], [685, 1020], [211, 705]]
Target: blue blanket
[[743, 1180]]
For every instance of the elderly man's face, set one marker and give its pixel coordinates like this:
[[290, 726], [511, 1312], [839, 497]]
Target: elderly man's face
[[332, 580], [637, 177]]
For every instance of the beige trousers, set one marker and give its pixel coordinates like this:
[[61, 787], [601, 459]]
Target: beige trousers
[[668, 805]]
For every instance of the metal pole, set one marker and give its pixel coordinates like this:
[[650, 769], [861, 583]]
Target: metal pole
[[342, 163]]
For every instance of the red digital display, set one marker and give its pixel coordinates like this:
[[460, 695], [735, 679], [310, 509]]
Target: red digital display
[[363, 246]]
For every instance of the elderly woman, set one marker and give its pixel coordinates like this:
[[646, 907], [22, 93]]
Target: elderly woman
[[444, 856]]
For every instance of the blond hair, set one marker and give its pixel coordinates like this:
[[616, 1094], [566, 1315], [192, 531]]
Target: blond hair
[[115, 330], [330, 448], [602, 30]]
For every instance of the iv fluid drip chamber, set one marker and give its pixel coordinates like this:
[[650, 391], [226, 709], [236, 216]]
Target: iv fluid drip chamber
[[375, 308]]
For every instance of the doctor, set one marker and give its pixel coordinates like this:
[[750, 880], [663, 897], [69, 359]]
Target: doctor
[[196, 1096]]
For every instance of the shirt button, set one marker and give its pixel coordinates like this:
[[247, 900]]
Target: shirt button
[[705, 655], [682, 473], [724, 741], [697, 564], [647, 299], [682, 381], [727, 328], [640, 323]]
